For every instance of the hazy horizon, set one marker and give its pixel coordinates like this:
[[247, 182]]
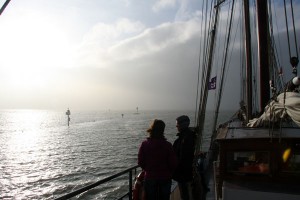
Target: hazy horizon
[[101, 55]]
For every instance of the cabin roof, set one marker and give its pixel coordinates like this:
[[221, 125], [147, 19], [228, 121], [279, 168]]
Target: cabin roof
[[252, 133], [270, 187]]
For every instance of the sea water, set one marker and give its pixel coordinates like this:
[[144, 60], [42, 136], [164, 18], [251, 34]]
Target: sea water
[[41, 157]]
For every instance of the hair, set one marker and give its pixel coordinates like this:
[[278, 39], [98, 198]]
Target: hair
[[157, 129], [183, 121]]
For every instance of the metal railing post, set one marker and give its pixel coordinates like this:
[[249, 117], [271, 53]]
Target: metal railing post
[[105, 180], [130, 185]]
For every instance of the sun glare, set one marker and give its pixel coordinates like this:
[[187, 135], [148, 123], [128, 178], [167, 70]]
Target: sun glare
[[26, 131], [31, 46]]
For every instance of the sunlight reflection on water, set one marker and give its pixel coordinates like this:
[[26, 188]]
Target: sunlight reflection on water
[[42, 158]]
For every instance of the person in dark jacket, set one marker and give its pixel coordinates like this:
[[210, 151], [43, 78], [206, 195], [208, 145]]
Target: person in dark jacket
[[184, 147], [157, 158]]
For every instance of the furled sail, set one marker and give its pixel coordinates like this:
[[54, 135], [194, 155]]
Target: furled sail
[[286, 105]]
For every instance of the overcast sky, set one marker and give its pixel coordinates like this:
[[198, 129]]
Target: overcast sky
[[100, 54]]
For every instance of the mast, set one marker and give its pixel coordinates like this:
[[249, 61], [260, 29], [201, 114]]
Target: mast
[[263, 52], [203, 103], [248, 59]]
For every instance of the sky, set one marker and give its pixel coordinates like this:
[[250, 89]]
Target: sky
[[100, 54]]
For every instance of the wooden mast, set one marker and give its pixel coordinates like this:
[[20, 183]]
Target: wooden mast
[[263, 52], [248, 59]]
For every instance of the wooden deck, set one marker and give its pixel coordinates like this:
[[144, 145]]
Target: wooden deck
[[175, 195], [211, 194]]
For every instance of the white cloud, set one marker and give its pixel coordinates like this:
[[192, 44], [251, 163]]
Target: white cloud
[[126, 2], [154, 40], [94, 48], [107, 34], [163, 4], [151, 63], [98, 52]]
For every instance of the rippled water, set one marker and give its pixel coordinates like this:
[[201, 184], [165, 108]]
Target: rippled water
[[42, 158]]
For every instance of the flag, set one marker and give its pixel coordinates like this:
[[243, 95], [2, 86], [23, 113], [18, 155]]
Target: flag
[[212, 83]]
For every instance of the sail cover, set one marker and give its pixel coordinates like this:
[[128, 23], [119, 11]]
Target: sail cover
[[286, 104]]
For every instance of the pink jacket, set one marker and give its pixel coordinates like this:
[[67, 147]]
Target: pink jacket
[[157, 158]]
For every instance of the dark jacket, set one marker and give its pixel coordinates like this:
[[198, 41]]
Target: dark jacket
[[184, 147], [157, 158]]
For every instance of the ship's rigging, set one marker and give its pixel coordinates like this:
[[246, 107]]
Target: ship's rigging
[[4, 6], [261, 73], [211, 34]]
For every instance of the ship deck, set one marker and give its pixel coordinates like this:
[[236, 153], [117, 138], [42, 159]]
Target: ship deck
[[175, 195], [211, 194]]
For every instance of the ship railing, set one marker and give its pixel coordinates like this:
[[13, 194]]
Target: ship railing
[[128, 195]]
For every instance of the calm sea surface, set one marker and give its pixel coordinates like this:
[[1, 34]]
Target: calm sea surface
[[42, 158]]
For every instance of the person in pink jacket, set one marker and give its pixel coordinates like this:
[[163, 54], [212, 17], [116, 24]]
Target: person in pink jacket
[[157, 158]]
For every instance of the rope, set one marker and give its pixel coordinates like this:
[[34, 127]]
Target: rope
[[207, 66], [287, 29], [204, 57], [224, 66], [4, 6], [279, 41], [201, 56], [294, 28], [277, 78]]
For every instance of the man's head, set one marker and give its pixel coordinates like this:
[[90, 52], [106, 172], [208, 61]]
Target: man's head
[[182, 122]]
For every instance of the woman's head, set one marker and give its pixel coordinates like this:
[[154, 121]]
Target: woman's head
[[156, 129]]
